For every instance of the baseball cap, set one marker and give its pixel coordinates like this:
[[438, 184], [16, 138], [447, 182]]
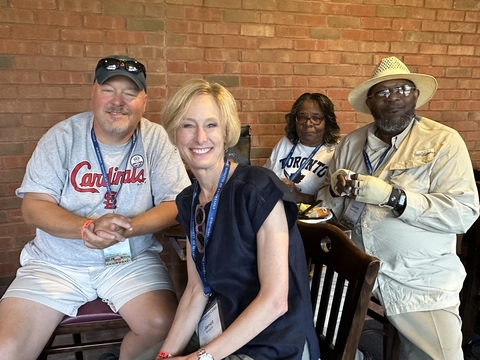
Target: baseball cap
[[115, 65]]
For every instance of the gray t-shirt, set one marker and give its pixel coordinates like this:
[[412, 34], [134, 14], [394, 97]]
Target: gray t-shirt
[[64, 165]]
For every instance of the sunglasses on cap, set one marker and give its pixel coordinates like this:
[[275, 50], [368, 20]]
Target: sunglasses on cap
[[132, 66]]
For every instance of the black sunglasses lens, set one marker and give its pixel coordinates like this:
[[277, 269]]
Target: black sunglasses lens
[[114, 64], [199, 215], [200, 238]]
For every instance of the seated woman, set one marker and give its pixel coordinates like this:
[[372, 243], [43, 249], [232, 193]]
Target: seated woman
[[302, 156], [247, 289]]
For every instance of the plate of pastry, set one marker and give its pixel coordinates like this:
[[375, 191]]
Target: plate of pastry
[[315, 213]]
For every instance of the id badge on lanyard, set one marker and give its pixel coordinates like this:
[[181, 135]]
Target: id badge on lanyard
[[210, 325], [120, 253]]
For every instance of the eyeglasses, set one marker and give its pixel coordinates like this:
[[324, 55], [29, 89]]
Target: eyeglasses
[[131, 66], [315, 120], [384, 94], [200, 228]]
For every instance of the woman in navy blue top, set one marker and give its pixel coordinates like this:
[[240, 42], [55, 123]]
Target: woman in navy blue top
[[247, 289]]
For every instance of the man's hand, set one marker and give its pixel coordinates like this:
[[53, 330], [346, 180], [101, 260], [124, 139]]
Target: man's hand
[[342, 184], [106, 231], [370, 189]]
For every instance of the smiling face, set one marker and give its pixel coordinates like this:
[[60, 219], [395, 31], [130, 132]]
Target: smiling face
[[118, 106], [308, 133], [201, 135], [393, 114]]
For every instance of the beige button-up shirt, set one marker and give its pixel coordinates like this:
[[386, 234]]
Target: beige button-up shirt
[[419, 267]]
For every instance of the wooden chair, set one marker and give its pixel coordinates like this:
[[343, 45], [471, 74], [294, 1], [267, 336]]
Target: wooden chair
[[340, 297], [92, 317]]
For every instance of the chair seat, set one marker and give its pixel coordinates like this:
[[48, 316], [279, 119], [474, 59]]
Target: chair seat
[[95, 310]]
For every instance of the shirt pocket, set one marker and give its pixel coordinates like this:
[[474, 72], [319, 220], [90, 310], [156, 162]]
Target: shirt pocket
[[414, 172]]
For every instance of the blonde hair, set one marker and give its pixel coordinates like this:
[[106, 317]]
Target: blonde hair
[[176, 108]]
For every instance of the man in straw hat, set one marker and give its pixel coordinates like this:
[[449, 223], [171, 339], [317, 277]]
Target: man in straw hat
[[404, 184]]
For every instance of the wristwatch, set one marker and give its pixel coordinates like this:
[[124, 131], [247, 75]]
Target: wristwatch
[[203, 355]]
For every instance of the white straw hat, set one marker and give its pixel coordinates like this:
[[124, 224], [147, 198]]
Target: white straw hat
[[392, 68]]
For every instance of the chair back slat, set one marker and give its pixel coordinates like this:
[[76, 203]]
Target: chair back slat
[[341, 287]]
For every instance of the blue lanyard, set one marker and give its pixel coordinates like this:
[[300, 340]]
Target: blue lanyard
[[102, 164], [209, 224], [289, 156], [370, 168]]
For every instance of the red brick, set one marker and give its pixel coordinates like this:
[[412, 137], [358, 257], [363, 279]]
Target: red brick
[[292, 56], [463, 27], [291, 31], [374, 47], [240, 42], [406, 24], [61, 49], [222, 55], [207, 41], [310, 44], [325, 58], [276, 69], [231, 4], [433, 49], [31, 32], [468, 39], [57, 18], [323, 82], [450, 15], [80, 6], [447, 38], [439, 4], [292, 6], [104, 22], [343, 22], [461, 50], [422, 14], [404, 48], [125, 37], [311, 20], [440, 60], [16, 16], [357, 35], [277, 18], [203, 14], [221, 28], [204, 68], [95, 36]]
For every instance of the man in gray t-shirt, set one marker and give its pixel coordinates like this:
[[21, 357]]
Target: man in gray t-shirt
[[97, 187]]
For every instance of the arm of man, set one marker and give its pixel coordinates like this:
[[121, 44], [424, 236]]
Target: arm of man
[[189, 312], [43, 212], [451, 204], [160, 217], [272, 299]]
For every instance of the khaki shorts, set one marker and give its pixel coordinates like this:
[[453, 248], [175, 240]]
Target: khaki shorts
[[66, 288]]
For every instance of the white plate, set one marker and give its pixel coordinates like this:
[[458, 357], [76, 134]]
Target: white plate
[[316, 221]]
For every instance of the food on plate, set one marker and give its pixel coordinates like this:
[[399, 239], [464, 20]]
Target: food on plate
[[302, 207], [320, 212]]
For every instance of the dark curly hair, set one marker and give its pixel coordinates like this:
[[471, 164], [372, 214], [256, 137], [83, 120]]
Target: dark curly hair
[[331, 133]]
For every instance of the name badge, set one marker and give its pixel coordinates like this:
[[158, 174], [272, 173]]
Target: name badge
[[210, 325], [351, 214], [119, 253]]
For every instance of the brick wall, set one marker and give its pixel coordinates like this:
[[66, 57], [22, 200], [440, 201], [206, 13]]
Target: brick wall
[[267, 52]]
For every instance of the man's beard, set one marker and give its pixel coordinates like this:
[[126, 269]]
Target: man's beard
[[393, 126]]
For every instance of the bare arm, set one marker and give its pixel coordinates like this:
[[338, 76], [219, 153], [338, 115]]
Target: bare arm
[[272, 299], [43, 212], [190, 309]]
